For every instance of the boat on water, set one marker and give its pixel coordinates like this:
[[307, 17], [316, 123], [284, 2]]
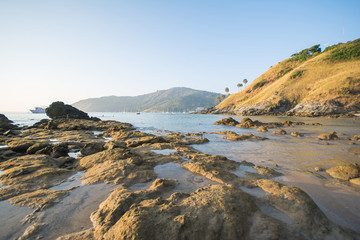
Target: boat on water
[[38, 110]]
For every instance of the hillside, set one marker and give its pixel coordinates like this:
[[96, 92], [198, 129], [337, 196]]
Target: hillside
[[310, 83], [171, 100]]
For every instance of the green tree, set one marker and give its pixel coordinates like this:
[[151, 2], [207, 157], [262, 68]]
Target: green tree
[[223, 96], [239, 85], [245, 81], [218, 99], [227, 90]]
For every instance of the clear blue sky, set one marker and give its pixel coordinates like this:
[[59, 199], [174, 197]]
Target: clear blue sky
[[71, 50]]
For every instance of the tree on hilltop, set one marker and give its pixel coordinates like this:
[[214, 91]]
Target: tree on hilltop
[[239, 85], [245, 81]]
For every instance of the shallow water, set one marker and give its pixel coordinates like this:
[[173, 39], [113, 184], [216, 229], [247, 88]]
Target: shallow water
[[72, 214], [11, 226], [74, 154], [72, 181], [165, 151], [340, 202]]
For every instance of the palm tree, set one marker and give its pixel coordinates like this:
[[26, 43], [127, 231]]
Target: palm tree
[[245, 81], [239, 85], [227, 90]]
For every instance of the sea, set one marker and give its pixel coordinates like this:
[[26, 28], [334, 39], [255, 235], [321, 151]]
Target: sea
[[295, 157]]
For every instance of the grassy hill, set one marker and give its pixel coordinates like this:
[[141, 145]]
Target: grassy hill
[[171, 100], [309, 83]]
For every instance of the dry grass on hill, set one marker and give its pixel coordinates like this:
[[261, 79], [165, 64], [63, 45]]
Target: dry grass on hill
[[316, 78]]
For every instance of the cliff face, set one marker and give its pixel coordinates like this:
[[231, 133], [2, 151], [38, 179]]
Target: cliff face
[[310, 83]]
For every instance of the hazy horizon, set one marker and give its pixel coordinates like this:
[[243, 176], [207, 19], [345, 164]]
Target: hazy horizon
[[68, 51]]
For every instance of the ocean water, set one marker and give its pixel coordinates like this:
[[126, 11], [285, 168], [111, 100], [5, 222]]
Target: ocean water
[[295, 157]]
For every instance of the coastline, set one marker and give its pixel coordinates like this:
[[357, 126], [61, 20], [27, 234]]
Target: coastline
[[138, 150]]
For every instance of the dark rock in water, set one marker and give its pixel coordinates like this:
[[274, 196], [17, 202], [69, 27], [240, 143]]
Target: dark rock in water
[[279, 131], [262, 129], [6, 124], [297, 134], [328, 136], [58, 110], [346, 172], [227, 121]]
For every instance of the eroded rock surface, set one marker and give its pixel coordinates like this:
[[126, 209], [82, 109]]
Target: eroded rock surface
[[346, 172], [232, 136]]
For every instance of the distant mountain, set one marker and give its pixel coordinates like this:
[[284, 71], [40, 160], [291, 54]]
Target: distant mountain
[[172, 100]]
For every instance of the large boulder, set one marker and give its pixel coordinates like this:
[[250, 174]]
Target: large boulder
[[6, 124], [59, 110], [346, 172]]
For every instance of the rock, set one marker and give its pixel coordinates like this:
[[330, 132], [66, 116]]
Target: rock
[[297, 134], [248, 123], [114, 144], [286, 123], [31, 231], [356, 137], [59, 150], [355, 181], [30, 173], [267, 172], [319, 169], [84, 235], [20, 144], [227, 121], [59, 110], [346, 172], [302, 211], [11, 132], [6, 124], [122, 165], [215, 212], [193, 134], [38, 199], [279, 131], [241, 137], [37, 147], [328, 136], [262, 129], [315, 108], [91, 148], [145, 140]]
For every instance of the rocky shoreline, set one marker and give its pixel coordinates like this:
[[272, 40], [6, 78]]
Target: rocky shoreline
[[143, 206], [315, 108]]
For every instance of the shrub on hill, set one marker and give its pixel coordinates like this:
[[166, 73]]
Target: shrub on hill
[[296, 74], [260, 84], [305, 54], [344, 52]]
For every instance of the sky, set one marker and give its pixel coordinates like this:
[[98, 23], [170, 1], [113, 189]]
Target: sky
[[72, 50]]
